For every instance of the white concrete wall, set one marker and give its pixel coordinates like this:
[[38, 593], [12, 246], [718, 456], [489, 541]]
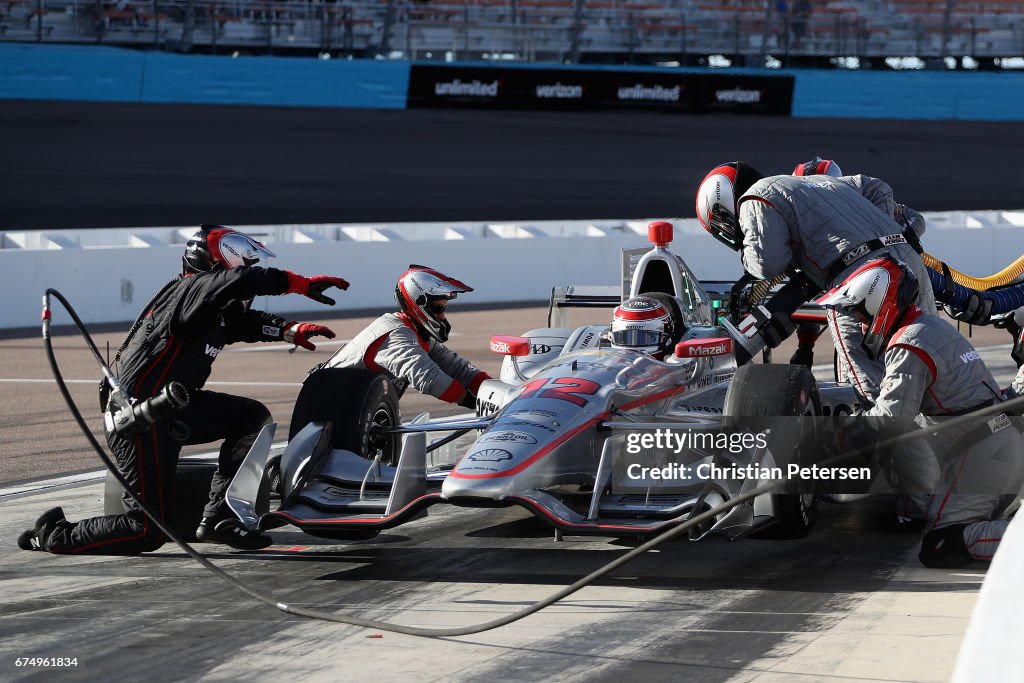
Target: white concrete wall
[[109, 274]]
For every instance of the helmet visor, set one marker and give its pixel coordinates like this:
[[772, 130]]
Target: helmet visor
[[636, 338], [724, 226]]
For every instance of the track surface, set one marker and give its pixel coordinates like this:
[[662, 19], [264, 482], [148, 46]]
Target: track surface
[[78, 165]]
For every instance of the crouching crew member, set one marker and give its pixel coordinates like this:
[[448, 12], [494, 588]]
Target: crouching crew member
[[408, 346], [176, 339], [931, 369]]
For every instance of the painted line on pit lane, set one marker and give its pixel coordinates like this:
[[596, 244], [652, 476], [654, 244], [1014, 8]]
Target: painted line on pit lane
[[93, 381], [89, 477]]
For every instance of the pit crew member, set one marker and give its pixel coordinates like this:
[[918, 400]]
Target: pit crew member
[[825, 227], [177, 337], [408, 346], [931, 368]]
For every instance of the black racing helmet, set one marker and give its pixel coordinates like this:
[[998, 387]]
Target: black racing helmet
[[215, 246]]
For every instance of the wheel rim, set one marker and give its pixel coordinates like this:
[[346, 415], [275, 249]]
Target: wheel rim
[[379, 443]]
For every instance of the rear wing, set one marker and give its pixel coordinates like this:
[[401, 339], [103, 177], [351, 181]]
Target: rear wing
[[576, 296]]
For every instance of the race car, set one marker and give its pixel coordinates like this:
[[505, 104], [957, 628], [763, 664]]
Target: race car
[[556, 433]]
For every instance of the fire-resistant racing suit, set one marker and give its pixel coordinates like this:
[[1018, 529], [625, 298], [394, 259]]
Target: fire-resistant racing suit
[[185, 327], [931, 369], [827, 227], [392, 345]]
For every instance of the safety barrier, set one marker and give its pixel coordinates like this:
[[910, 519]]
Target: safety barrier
[[100, 73], [111, 273], [991, 646]]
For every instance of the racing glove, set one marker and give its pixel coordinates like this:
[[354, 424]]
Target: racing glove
[[468, 401], [1010, 323], [977, 311], [299, 334], [314, 287]]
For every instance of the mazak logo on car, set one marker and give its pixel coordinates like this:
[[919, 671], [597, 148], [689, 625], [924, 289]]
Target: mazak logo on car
[[717, 347], [507, 437], [490, 455]]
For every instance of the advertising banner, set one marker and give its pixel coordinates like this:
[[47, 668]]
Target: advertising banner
[[529, 88]]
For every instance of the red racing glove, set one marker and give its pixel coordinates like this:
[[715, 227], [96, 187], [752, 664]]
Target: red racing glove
[[314, 287], [299, 334]]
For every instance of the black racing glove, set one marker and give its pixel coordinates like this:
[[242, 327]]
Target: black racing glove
[[977, 311], [1010, 324], [468, 401]]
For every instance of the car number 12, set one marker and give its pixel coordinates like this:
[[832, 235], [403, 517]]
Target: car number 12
[[571, 389]]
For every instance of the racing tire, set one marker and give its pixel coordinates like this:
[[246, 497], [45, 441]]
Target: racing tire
[[757, 395], [191, 493], [354, 400]]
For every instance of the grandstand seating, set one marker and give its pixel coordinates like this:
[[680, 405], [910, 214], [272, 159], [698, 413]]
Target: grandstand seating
[[640, 31]]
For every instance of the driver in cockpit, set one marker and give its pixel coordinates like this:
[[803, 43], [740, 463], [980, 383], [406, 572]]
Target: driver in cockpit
[[643, 323]]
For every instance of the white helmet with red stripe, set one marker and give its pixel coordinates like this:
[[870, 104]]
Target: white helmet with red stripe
[[881, 292], [818, 166], [718, 200], [214, 247], [642, 323], [419, 292]]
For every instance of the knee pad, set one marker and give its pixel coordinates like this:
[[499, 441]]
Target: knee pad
[[945, 548]]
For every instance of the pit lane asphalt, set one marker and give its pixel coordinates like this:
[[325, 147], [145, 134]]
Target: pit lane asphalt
[[849, 602]]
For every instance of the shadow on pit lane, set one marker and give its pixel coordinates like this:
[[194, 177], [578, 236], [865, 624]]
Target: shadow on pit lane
[[854, 548]]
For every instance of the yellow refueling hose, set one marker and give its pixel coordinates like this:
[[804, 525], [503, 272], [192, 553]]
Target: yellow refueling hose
[[1003, 277]]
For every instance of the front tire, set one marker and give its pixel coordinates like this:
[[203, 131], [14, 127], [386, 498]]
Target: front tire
[[355, 400], [757, 396]]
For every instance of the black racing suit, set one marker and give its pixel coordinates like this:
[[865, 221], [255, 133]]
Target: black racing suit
[[186, 325]]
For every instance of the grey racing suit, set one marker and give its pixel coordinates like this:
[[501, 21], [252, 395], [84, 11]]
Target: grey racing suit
[[931, 369], [392, 345], [818, 223], [812, 222]]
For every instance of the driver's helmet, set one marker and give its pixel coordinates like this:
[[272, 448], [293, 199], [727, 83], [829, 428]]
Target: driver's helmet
[[642, 323], [214, 247], [718, 200], [419, 293], [882, 290], [818, 166]]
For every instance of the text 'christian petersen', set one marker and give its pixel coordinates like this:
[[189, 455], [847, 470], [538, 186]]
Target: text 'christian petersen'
[[708, 470]]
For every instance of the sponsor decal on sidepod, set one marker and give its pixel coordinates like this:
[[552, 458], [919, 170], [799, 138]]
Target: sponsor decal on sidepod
[[508, 437], [490, 455]]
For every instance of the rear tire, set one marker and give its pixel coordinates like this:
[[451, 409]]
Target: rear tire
[[757, 395], [354, 400]]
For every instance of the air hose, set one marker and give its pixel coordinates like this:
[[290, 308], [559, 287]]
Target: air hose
[[1004, 277], [415, 630], [948, 291]]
